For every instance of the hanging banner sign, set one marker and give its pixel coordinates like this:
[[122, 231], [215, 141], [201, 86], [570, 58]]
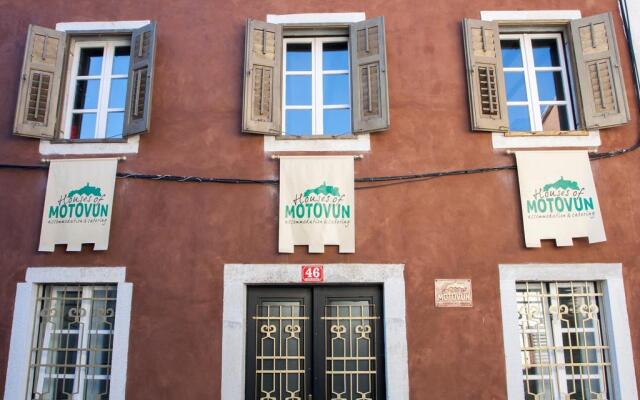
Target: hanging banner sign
[[558, 197], [78, 204], [317, 203]]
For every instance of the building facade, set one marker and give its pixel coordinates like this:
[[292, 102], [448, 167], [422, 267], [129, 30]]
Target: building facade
[[320, 200]]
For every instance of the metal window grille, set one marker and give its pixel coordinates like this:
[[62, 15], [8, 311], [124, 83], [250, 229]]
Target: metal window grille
[[564, 350], [72, 342]]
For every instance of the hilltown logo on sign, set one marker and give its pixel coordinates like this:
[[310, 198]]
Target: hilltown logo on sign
[[78, 204], [320, 205], [316, 203], [83, 205], [560, 199]]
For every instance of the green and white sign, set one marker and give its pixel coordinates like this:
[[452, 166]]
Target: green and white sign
[[316, 203], [78, 204], [558, 197]]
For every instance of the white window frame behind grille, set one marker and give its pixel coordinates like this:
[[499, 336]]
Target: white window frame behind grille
[[528, 67], [615, 321], [108, 47], [17, 380], [317, 83]]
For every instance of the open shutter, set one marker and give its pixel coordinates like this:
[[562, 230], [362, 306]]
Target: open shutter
[[262, 102], [37, 106], [140, 85], [485, 77], [369, 93], [604, 100]]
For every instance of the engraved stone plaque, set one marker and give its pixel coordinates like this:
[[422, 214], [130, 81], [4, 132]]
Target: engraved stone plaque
[[453, 293]]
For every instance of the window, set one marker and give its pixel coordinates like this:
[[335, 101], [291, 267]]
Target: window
[[320, 342], [537, 84], [70, 334], [519, 81], [73, 342], [565, 353], [320, 81], [317, 97], [98, 90], [105, 92], [566, 332]]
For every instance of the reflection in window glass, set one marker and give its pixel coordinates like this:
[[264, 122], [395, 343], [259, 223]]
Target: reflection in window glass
[[554, 118], [511, 53], [545, 53], [519, 118], [335, 56], [550, 85], [120, 64], [516, 86], [298, 122], [336, 89], [337, 121], [83, 126], [90, 63], [118, 93], [299, 57], [298, 90], [115, 125], [87, 93]]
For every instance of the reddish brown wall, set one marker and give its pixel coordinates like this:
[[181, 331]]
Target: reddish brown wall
[[174, 238]]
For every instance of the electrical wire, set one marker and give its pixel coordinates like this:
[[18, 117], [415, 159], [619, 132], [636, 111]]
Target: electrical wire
[[370, 182]]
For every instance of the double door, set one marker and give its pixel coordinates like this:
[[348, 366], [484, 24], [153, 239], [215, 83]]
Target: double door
[[315, 343]]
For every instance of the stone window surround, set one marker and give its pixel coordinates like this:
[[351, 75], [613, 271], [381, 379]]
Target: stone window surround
[[24, 318], [615, 318]]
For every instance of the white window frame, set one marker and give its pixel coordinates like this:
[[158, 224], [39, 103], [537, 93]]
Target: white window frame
[[615, 320], [234, 324], [354, 143], [103, 109], [533, 101], [128, 145], [17, 380], [527, 17], [317, 83]]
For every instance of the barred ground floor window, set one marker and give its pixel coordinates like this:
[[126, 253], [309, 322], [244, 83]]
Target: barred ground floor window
[[566, 332]]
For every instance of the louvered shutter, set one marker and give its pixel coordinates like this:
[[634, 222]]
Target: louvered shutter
[[604, 100], [369, 90], [37, 107], [262, 103], [485, 77], [140, 84]]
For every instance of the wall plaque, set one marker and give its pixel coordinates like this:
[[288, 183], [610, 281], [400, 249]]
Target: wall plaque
[[453, 293]]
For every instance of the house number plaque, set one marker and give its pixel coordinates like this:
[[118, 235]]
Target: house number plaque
[[453, 293]]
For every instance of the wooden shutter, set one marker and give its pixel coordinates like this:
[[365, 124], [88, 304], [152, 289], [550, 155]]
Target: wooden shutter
[[369, 93], [140, 84], [485, 77], [262, 102], [37, 107], [604, 100]]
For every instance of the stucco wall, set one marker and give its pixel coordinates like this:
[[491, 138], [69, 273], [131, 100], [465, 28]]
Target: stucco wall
[[174, 238]]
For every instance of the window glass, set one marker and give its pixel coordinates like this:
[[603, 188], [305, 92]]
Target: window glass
[[299, 57], [519, 118], [550, 85], [298, 122], [554, 118], [516, 86], [87, 94], [317, 95], [335, 56], [121, 61], [83, 126], [545, 52], [511, 53], [90, 63]]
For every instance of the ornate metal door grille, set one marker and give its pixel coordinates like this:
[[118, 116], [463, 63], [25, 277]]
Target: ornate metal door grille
[[345, 361], [72, 343], [564, 350]]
